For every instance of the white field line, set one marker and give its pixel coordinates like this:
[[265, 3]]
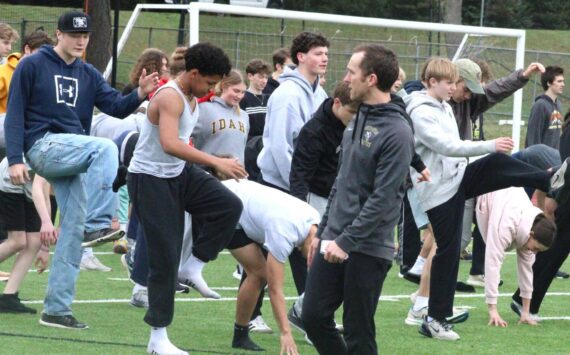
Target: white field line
[[389, 298]]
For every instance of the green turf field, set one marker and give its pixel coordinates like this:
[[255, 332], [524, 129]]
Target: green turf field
[[205, 327]]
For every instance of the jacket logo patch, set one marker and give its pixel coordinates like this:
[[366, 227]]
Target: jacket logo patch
[[555, 120], [66, 90], [367, 135]]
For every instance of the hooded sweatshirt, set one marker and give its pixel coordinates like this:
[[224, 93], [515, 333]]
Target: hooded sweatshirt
[[6, 72], [315, 159], [468, 111], [221, 129], [443, 152], [290, 106], [544, 122], [48, 95], [364, 204], [505, 218]]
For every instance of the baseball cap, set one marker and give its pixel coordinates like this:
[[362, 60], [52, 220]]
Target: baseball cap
[[470, 72], [74, 21]]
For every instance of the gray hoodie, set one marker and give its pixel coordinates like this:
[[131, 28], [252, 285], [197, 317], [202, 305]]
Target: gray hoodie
[[437, 142], [221, 129], [290, 106], [364, 204]]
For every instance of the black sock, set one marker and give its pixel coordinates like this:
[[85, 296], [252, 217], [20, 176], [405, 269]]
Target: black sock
[[242, 340]]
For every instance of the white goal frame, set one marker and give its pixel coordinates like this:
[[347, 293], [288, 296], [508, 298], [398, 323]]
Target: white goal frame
[[195, 8]]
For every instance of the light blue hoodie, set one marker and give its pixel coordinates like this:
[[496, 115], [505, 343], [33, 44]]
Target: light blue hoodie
[[290, 106]]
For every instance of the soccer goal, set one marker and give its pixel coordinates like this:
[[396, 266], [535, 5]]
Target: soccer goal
[[246, 33]]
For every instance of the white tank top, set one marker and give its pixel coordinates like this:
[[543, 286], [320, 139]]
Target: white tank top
[[149, 157]]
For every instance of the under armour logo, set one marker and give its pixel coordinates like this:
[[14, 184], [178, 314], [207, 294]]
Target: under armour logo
[[80, 22], [66, 90]]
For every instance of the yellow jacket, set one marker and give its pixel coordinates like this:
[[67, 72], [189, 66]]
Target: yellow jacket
[[6, 71]]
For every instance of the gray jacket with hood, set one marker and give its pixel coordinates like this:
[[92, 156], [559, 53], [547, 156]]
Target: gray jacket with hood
[[364, 204], [290, 106], [438, 143]]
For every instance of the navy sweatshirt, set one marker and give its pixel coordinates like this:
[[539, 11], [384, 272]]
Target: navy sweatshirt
[[48, 95]]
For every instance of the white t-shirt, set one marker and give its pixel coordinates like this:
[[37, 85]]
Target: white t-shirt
[[278, 221], [6, 184]]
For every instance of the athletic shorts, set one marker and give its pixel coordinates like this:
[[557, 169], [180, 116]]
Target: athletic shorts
[[18, 213], [420, 217], [239, 240]]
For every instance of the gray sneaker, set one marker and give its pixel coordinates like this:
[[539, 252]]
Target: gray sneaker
[[140, 298], [102, 236], [91, 263], [416, 317], [517, 308], [438, 330]]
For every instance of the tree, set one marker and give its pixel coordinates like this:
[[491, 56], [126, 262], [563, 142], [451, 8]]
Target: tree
[[99, 48], [452, 15]]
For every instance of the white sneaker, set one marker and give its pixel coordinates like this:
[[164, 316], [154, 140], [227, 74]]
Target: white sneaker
[[438, 330], [308, 340], [258, 325], [140, 298], [91, 263], [476, 280], [238, 272], [416, 317]]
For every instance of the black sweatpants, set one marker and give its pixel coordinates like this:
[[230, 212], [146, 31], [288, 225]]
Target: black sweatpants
[[478, 261], [160, 204], [493, 172], [549, 262], [411, 240], [358, 282]]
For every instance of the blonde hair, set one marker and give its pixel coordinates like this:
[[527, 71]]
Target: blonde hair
[[8, 33], [402, 75], [233, 78], [439, 68]]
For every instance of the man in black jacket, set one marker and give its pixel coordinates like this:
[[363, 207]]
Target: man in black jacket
[[315, 159], [357, 245]]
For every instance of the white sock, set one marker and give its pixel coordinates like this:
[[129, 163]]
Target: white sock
[[421, 302], [192, 274], [159, 343]]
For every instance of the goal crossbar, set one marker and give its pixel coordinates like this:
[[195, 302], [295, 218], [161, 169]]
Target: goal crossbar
[[195, 8]]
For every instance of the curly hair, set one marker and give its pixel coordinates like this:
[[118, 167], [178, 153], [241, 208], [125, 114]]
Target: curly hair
[[151, 60], [550, 73], [208, 59], [304, 42]]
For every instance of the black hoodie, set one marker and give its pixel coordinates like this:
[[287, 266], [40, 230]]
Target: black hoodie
[[315, 159], [364, 204]]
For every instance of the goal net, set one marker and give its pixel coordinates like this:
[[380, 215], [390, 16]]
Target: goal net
[[246, 33]]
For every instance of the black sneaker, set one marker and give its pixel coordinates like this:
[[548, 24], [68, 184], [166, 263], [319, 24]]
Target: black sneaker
[[412, 277], [102, 236], [181, 288], [10, 303], [295, 320], [562, 275], [65, 322], [245, 343]]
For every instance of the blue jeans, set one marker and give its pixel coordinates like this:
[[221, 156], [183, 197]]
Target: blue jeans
[[86, 202]]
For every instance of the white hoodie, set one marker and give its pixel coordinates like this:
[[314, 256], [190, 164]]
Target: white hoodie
[[290, 106], [436, 140]]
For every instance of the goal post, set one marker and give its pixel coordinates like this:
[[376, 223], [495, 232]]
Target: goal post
[[255, 26]]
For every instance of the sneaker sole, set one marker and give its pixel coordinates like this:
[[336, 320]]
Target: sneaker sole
[[261, 331], [126, 266], [138, 304], [105, 239], [55, 325], [410, 321], [293, 322], [460, 318], [13, 311], [475, 283]]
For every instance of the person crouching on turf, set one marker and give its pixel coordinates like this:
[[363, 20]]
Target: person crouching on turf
[[278, 223], [508, 220]]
